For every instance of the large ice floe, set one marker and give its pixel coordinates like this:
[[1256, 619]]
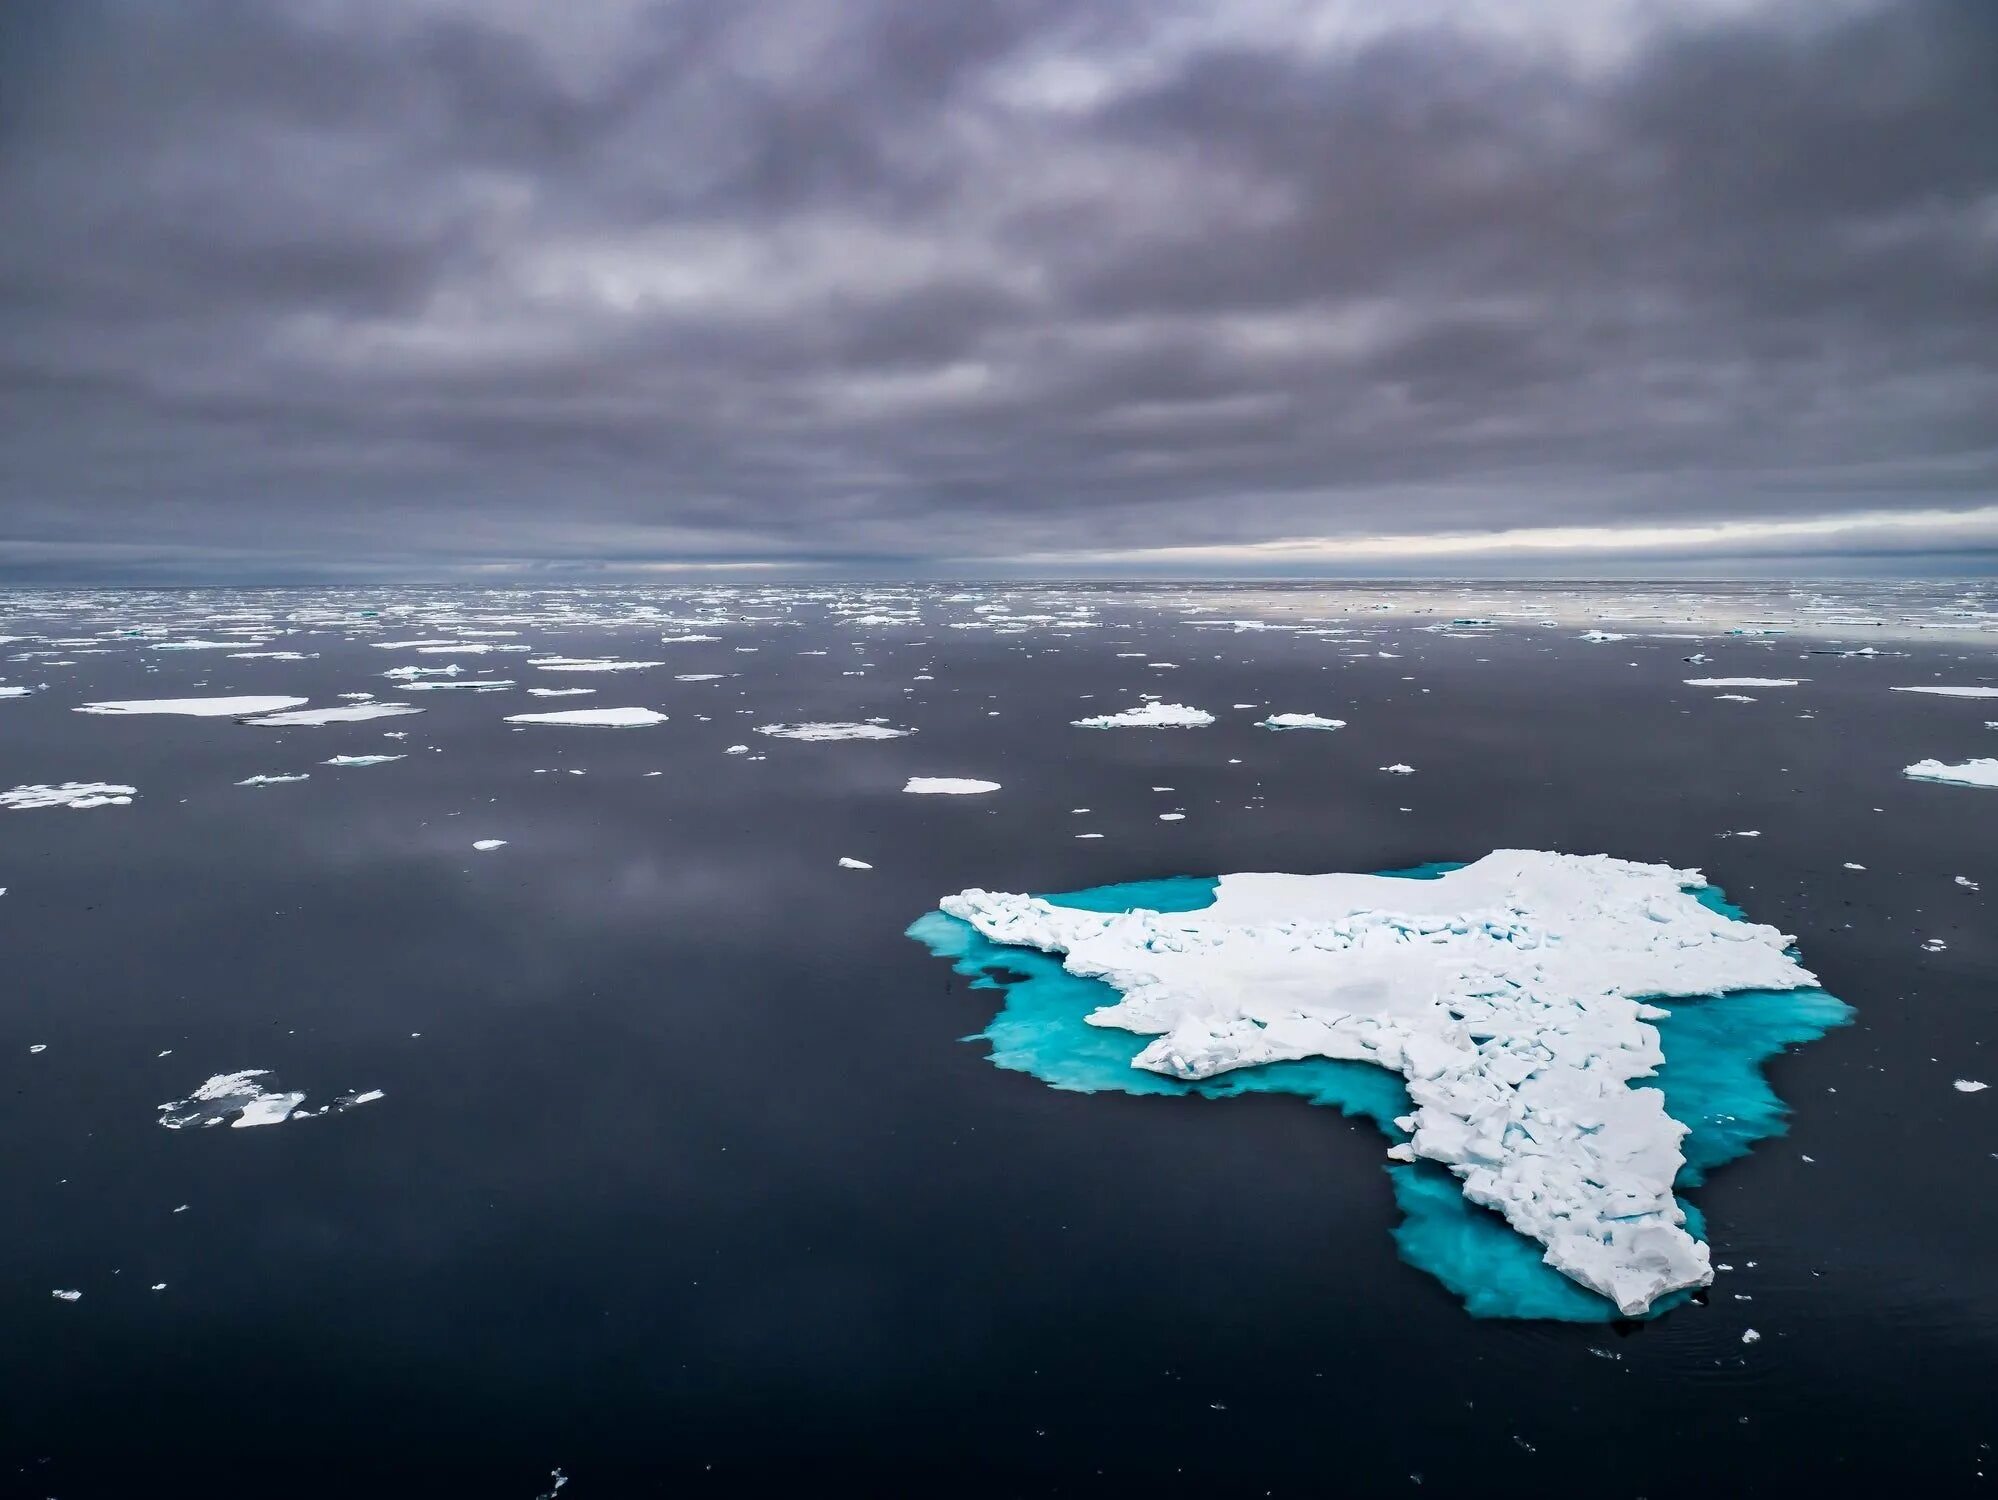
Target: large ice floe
[[1149, 716], [198, 708], [594, 718], [1512, 996], [353, 713], [1299, 721], [69, 794], [1967, 773]]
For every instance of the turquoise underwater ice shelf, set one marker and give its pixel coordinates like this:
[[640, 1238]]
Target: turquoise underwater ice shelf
[[1715, 1048]]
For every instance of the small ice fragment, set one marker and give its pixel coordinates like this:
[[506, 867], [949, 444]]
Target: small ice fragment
[[66, 1296], [273, 780], [853, 864], [1969, 1086], [1398, 769], [948, 786], [1851, 866], [1750, 1336], [483, 844]]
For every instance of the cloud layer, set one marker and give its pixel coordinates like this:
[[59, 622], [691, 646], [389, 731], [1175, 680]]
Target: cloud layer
[[413, 285]]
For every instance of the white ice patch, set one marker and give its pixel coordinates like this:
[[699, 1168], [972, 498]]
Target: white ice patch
[[278, 780], [590, 664], [15, 692], [1741, 682], [245, 1099], [353, 713], [594, 718], [832, 731], [69, 794], [948, 786], [1953, 692], [1399, 769], [1149, 716], [487, 845], [1510, 994], [1967, 773], [1602, 636], [362, 760], [853, 864], [1299, 721], [560, 692], [1969, 1086], [196, 708]]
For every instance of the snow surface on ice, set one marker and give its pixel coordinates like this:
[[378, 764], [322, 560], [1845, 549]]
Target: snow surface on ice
[[949, 786], [244, 1099], [1953, 692], [1299, 721], [353, 713], [1149, 716], [594, 718], [197, 708], [832, 731], [1968, 773], [69, 794], [1512, 995]]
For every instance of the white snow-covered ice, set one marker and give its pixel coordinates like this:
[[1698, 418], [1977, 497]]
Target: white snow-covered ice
[[594, 718], [1953, 692], [353, 713], [1512, 995], [831, 731], [1965, 773], [1149, 716], [1741, 682], [69, 794], [196, 708], [1299, 721], [949, 786]]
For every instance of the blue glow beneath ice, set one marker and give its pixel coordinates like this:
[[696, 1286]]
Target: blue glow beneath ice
[[1712, 1080]]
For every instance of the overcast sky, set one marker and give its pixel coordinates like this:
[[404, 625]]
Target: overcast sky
[[296, 288]]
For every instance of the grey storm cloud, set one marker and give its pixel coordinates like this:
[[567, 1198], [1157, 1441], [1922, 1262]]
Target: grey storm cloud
[[890, 284]]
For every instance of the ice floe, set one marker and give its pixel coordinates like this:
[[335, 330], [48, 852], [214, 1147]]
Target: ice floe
[[590, 664], [1299, 721], [832, 731], [362, 760], [244, 1099], [197, 708], [486, 846], [853, 864], [1953, 692], [1514, 995], [1969, 1086], [594, 718], [1967, 773], [1742, 682], [69, 794], [1149, 716], [948, 786], [353, 713], [277, 780]]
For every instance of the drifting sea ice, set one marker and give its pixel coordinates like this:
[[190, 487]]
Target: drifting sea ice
[[1953, 692], [949, 786], [1149, 716], [1742, 682], [1968, 773], [832, 731], [198, 708], [243, 1100], [274, 780], [69, 794], [1512, 995], [1299, 721], [353, 713], [594, 718], [362, 760]]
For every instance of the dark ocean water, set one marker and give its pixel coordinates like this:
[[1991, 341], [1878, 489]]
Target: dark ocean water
[[684, 1181]]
